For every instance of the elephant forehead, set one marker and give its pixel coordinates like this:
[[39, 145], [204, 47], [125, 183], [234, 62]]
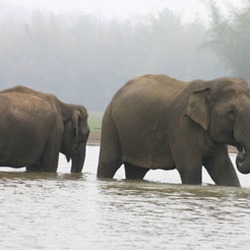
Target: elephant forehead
[[237, 89], [230, 93], [238, 102]]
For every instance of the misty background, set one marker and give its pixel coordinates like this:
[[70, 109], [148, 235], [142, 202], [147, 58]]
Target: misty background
[[84, 58]]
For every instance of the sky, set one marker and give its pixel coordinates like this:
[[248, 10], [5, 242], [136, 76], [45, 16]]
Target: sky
[[188, 10]]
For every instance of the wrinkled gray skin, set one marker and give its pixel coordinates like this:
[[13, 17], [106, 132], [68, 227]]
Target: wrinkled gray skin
[[157, 122], [35, 127]]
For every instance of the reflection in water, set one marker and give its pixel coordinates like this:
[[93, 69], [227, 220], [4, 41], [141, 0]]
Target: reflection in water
[[76, 211]]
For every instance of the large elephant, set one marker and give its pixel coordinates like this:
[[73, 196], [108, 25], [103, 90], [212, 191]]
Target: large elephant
[[35, 127], [158, 122]]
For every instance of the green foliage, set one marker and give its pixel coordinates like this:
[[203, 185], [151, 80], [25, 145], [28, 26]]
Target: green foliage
[[230, 38], [95, 121], [85, 59]]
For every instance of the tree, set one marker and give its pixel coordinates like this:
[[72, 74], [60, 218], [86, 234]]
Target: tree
[[85, 58], [230, 38]]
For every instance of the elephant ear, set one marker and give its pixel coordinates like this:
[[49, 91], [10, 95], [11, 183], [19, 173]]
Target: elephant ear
[[197, 108], [76, 116]]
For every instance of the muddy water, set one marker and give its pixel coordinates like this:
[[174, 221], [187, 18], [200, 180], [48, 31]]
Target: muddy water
[[64, 211]]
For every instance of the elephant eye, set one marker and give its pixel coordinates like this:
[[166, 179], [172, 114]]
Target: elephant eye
[[231, 113]]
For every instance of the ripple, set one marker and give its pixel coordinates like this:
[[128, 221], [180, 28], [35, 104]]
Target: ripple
[[68, 211]]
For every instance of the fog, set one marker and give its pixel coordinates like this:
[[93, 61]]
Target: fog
[[84, 58]]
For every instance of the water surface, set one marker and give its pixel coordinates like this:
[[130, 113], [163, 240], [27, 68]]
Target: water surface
[[76, 211]]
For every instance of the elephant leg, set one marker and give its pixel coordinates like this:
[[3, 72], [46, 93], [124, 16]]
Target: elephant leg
[[107, 169], [134, 172], [189, 166], [191, 175], [110, 150], [50, 156], [221, 169], [109, 162], [34, 168]]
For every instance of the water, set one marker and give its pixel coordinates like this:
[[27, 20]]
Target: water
[[76, 211]]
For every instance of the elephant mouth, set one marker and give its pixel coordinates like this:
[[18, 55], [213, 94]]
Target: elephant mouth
[[240, 148], [240, 158]]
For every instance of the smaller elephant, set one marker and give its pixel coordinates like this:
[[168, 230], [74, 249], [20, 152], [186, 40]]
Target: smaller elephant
[[158, 122], [35, 127]]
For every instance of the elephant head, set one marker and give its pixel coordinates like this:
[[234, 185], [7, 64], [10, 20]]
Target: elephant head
[[75, 135], [222, 108]]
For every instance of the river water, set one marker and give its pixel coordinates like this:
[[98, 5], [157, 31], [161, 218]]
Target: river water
[[77, 211]]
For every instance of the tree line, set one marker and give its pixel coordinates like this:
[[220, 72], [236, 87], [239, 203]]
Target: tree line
[[85, 59]]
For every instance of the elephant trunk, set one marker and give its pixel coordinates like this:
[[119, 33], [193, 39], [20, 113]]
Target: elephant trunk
[[78, 161], [243, 161], [242, 135]]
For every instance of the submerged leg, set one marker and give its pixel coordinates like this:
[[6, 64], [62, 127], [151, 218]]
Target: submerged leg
[[133, 172], [191, 175], [110, 150], [107, 169], [221, 169], [34, 168]]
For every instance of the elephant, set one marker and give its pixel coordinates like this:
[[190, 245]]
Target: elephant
[[159, 122], [36, 126]]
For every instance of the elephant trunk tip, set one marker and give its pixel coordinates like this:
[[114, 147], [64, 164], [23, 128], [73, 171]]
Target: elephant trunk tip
[[243, 162]]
